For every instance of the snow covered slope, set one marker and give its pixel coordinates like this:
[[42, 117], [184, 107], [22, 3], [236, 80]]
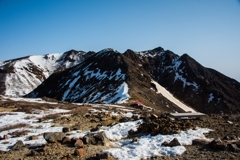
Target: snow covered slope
[[171, 98], [99, 79], [20, 76]]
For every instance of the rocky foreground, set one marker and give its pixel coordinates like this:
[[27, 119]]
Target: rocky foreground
[[223, 141]]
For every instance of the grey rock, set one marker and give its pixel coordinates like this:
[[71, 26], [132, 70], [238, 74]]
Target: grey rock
[[103, 155], [173, 143], [53, 137], [79, 143], [66, 129], [218, 144], [233, 148], [18, 146]]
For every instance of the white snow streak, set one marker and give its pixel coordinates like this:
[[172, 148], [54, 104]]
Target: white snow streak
[[170, 97], [210, 97]]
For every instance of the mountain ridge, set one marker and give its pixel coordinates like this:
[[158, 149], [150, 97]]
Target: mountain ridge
[[98, 77]]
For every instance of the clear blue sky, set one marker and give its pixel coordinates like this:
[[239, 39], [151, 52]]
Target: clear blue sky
[[207, 30]]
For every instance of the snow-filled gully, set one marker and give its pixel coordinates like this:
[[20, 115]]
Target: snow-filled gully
[[171, 98]]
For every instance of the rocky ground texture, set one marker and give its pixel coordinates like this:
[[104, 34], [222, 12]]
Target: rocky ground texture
[[224, 143]]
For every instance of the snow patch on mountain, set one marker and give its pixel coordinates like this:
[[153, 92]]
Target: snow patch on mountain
[[179, 77], [29, 72], [117, 95], [210, 97], [107, 50], [70, 87], [171, 98], [122, 95]]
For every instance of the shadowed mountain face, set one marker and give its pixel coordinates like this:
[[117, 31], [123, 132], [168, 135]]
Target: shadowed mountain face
[[202, 88], [106, 77], [111, 77]]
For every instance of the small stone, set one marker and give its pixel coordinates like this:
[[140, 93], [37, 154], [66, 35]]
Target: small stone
[[103, 155], [89, 139], [131, 132], [5, 136], [66, 140], [79, 152], [95, 129], [33, 138], [66, 129], [18, 145], [174, 142], [79, 143], [135, 139], [53, 137], [76, 128], [200, 142]]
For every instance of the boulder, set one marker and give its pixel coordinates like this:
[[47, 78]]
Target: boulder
[[131, 132], [79, 143], [53, 137], [102, 139], [218, 144], [79, 152], [200, 142], [18, 146], [96, 139], [173, 143], [89, 139]]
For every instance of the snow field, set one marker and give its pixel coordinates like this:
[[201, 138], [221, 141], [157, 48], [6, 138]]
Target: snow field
[[36, 128], [171, 98]]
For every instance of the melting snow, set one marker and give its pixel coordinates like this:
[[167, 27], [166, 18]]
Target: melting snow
[[122, 95], [171, 98], [149, 146], [210, 97], [179, 77], [35, 129]]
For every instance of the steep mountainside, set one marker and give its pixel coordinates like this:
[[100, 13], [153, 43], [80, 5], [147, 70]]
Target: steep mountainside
[[204, 89], [106, 77], [20, 76]]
